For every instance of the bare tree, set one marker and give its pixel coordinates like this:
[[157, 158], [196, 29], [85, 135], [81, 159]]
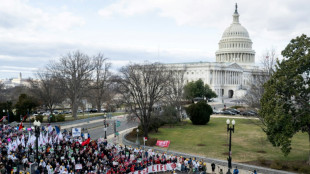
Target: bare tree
[[258, 79], [2, 94], [101, 81], [174, 92], [73, 73], [143, 85], [46, 89]]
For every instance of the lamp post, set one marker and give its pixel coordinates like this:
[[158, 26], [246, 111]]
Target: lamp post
[[105, 132], [137, 141], [37, 125], [230, 129]]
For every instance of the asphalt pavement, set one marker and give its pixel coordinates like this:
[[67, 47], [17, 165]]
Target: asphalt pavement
[[94, 125]]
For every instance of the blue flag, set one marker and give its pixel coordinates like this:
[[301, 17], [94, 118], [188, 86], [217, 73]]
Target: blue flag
[[57, 129]]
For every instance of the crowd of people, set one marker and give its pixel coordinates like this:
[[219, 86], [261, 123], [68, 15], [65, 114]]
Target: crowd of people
[[60, 152], [63, 153]]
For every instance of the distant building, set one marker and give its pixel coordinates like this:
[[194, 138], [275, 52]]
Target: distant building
[[10, 83]]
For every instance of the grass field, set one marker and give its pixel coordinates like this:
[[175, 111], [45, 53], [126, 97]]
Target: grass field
[[249, 142]]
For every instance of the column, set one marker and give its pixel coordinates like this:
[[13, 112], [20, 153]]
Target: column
[[211, 77], [221, 77], [225, 78], [233, 75], [216, 77]]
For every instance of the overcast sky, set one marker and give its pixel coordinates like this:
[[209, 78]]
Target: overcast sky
[[33, 32]]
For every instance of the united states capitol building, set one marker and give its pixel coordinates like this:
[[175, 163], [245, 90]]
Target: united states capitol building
[[234, 68]]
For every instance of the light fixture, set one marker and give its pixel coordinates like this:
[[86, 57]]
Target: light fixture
[[227, 121], [233, 122]]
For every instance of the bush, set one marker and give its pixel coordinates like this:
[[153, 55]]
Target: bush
[[39, 118], [60, 118], [276, 165], [237, 107], [52, 118], [304, 169], [151, 142], [199, 113], [262, 161]]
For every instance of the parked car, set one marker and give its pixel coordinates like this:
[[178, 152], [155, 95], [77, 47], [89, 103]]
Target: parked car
[[79, 111], [56, 112], [248, 113], [216, 112], [227, 112], [93, 111], [66, 112], [234, 111], [46, 113]]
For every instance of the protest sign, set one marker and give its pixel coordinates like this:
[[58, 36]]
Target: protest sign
[[76, 132], [162, 143], [78, 166]]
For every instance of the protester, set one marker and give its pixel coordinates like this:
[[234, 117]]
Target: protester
[[236, 171], [61, 152]]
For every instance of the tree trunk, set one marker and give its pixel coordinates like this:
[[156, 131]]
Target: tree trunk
[[99, 106], [146, 131], [74, 109]]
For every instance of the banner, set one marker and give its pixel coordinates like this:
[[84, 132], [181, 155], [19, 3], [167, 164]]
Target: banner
[[162, 143], [78, 166], [76, 132], [157, 168], [2, 118]]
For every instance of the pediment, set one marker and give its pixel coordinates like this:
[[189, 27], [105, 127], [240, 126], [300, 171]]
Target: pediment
[[235, 66]]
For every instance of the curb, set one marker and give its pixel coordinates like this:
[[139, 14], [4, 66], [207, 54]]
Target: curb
[[218, 162]]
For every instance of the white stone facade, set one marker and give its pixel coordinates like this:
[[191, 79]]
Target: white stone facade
[[231, 74]]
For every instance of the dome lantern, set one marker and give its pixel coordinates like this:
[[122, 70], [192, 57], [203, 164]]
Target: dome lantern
[[236, 15]]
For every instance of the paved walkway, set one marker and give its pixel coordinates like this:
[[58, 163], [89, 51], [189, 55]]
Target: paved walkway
[[220, 164]]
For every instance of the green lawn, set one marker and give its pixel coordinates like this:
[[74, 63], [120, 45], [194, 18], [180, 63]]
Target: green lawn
[[211, 141]]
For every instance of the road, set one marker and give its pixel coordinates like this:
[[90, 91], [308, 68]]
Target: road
[[97, 130], [94, 126]]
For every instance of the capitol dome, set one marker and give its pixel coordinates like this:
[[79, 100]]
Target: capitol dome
[[235, 45]]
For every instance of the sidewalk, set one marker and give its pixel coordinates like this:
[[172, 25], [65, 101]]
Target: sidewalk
[[99, 120]]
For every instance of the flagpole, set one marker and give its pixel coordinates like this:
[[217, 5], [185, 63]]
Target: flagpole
[[8, 116]]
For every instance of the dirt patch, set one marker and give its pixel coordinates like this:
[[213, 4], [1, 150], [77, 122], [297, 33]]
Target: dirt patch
[[293, 166], [261, 151], [201, 145], [225, 153]]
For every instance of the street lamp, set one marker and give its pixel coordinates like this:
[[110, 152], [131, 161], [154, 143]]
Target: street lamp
[[137, 141], [230, 129], [105, 132], [37, 125]]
